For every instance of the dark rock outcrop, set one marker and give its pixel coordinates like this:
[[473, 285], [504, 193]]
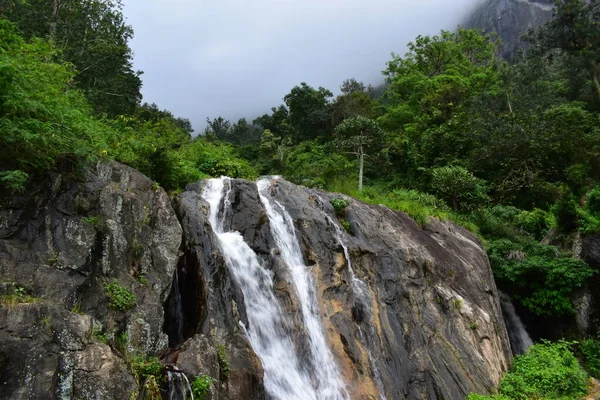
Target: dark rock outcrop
[[59, 245], [510, 19]]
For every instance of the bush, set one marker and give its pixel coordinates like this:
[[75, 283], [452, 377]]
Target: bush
[[145, 367], [590, 349], [537, 276], [593, 201], [121, 298], [537, 222], [459, 187], [547, 371], [339, 205], [565, 211], [201, 386]]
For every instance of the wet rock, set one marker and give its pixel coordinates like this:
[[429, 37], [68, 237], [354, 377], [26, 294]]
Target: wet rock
[[60, 243]]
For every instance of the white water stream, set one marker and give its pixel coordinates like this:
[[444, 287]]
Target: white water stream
[[519, 338], [285, 377], [329, 385]]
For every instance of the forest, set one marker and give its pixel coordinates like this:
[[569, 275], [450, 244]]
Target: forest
[[510, 149]]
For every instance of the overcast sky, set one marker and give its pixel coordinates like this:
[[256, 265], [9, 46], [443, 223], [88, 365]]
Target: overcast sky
[[235, 58]]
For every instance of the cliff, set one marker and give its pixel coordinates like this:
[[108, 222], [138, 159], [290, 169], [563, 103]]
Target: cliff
[[510, 19], [265, 287]]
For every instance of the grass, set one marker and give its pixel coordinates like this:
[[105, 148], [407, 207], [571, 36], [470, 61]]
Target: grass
[[18, 296], [419, 206]]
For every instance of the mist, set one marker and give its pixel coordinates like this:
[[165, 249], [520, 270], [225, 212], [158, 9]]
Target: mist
[[236, 58]]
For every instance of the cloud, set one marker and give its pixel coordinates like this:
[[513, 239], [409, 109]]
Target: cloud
[[235, 58]]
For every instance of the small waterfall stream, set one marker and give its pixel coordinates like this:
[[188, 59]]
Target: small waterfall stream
[[329, 384], [517, 334], [179, 385], [361, 292], [284, 377]]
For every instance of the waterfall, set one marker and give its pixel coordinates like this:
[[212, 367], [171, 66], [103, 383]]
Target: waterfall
[[179, 385], [328, 385], [267, 331], [517, 334], [361, 292]]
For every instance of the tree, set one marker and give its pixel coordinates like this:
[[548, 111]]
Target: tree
[[309, 111], [219, 127], [93, 36], [355, 100], [359, 134], [575, 30]]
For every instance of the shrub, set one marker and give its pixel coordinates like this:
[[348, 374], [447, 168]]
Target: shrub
[[565, 211], [547, 370], [537, 276], [593, 201], [590, 349], [145, 367], [201, 386], [14, 181], [339, 205], [459, 187], [121, 298], [536, 222], [223, 360]]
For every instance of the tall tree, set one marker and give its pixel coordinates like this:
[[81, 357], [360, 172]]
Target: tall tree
[[358, 135], [575, 30], [309, 111], [93, 36], [355, 99]]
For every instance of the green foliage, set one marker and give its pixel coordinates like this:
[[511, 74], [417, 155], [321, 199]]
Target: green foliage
[[459, 187], [565, 211], [593, 201], [536, 275], [536, 222], [16, 295], [121, 298], [93, 37], [590, 349], [145, 367], [223, 360], [14, 181], [201, 386], [547, 370], [339, 205], [91, 220], [43, 118]]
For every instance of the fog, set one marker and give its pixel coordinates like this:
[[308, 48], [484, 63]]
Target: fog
[[238, 58]]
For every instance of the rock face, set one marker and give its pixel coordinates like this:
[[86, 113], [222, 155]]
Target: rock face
[[408, 312], [428, 325], [510, 19], [59, 245]]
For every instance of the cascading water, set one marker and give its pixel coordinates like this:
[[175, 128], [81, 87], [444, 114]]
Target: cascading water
[[517, 334], [328, 382], [361, 292], [284, 377], [179, 385]]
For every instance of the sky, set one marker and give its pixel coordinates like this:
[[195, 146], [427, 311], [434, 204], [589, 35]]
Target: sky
[[239, 58]]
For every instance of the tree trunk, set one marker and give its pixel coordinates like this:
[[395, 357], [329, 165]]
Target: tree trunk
[[53, 20], [361, 162], [595, 79]]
